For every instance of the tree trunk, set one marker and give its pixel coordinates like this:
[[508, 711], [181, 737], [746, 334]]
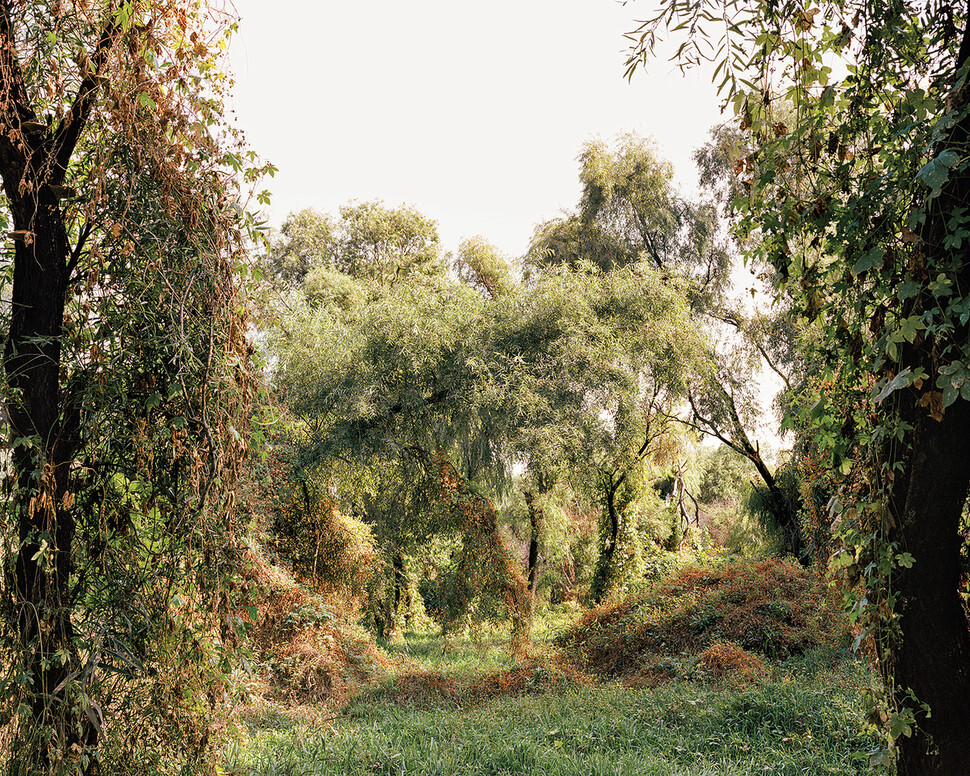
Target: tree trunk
[[43, 417], [532, 578], [783, 510], [44, 440], [535, 530], [604, 576], [399, 584], [932, 657]]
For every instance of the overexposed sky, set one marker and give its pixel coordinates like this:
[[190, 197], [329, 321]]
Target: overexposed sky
[[471, 112]]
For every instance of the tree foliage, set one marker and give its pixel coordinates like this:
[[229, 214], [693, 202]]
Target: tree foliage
[[854, 188], [563, 376], [128, 383], [630, 210]]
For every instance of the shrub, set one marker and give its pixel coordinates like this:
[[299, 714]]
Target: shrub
[[770, 608]]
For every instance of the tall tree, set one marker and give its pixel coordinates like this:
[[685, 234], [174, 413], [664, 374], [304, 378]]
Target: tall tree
[[127, 382], [858, 116], [590, 364], [629, 209]]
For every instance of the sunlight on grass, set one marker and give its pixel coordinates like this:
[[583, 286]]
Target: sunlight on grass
[[805, 720]]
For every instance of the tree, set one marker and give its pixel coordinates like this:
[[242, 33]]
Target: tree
[[746, 339], [306, 241], [386, 244], [590, 364], [724, 405], [482, 267], [549, 374], [855, 191], [377, 361], [127, 385], [630, 215], [629, 209]]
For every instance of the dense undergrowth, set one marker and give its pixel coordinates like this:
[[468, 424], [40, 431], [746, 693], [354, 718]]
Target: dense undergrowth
[[732, 669], [719, 619]]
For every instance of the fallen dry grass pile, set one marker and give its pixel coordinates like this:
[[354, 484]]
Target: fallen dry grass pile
[[542, 674], [729, 621], [308, 650]]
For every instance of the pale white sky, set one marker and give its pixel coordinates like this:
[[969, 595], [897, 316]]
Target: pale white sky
[[472, 112]]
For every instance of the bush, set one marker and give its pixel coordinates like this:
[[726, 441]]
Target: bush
[[769, 608]]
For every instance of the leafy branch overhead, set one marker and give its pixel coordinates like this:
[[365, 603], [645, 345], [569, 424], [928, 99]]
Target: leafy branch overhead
[[852, 186]]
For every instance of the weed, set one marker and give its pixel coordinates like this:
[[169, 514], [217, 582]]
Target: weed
[[771, 608]]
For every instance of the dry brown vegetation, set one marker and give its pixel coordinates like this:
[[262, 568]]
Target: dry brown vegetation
[[730, 623], [308, 649], [717, 621]]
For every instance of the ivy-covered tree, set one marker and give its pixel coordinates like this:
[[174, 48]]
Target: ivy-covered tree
[[857, 117], [127, 383], [592, 363]]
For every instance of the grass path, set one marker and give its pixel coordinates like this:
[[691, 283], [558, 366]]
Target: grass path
[[806, 719]]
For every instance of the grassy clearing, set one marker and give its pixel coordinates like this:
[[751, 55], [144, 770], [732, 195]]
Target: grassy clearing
[[806, 720], [732, 669], [480, 651]]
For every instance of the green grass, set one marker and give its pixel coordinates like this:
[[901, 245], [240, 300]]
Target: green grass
[[487, 651], [806, 720], [481, 651]]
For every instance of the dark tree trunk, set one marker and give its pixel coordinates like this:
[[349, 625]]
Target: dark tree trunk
[[535, 533], [784, 510], [932, 656], [603, 578], [43, 416], [44, 438], [532, 578], [400, 590]]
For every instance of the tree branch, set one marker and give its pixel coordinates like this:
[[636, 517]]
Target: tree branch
[[734, 321], [68, 132], [14, 107]]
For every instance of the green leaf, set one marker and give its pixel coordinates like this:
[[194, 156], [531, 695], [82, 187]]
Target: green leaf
[[911, 327], [950, 393], [899, 381], [934, 173], [873, 259], [41, 551]]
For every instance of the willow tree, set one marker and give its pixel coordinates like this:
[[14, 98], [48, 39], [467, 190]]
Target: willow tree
[[855, 187], [630, 210], [127, 381], [588, 366]]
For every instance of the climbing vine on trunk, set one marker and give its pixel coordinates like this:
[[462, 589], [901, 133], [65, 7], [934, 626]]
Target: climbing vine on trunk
[[854, 189], [127, 383]]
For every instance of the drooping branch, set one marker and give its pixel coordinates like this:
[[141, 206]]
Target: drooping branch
[[733, 320]]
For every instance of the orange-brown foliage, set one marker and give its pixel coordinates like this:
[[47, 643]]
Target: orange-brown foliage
[[770, 608], [485, 563], [430, 689], [312, 651], [725, 659]]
